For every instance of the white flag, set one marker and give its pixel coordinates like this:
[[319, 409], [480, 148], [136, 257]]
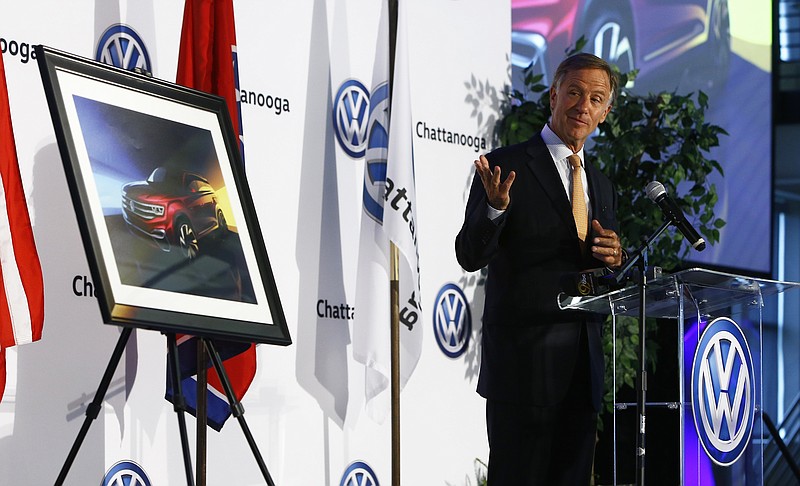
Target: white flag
[[389, 203]]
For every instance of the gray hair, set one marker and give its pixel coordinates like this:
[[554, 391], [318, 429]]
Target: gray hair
[[583, 60]]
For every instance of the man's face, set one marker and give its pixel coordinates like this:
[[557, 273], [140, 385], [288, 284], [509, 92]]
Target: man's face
[[579, 104]]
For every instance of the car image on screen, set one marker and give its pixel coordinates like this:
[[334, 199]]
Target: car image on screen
[[670, 42], [175, 208]]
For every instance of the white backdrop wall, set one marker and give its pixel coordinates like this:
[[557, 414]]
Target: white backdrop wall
[[306, 405]]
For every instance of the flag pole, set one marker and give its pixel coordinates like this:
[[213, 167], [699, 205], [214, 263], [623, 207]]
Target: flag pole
[[394, 279], [394, 285], [201, 437]]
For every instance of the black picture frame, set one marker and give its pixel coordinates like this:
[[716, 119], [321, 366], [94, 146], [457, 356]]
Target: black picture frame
[[162, 201]]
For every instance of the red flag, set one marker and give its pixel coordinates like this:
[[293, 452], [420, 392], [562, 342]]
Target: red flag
[[208, 62], [22, 293]]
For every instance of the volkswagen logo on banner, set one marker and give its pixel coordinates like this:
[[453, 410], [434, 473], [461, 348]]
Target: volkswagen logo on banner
[[376, 153], [723, 391], [121, 46], [452, 321], [359, 474], [351, 117], [126, 473]]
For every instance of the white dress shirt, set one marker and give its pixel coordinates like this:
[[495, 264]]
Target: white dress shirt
[[559, 152]]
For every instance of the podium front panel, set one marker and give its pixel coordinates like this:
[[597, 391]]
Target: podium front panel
[[718, 317], [722, 433]]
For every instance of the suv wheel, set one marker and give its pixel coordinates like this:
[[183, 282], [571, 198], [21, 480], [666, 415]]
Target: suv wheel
[[187, 239]]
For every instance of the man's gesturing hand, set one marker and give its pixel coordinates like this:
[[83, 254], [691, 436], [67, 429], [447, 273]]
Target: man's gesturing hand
[[606, 246], [497, 193]]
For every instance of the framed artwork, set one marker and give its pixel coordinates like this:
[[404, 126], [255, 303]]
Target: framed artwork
[[163, 204]]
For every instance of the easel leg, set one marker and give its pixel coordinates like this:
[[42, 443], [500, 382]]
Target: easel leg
[[236, 408], [93, 410], [179, 405]]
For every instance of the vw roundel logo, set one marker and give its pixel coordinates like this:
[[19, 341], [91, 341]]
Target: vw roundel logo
[[126, 473], [351, 116], [376, 153], [359, 474], [452, 321], [723, 391], [122, 47]]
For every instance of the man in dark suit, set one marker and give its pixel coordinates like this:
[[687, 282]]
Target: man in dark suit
[[542, 368]]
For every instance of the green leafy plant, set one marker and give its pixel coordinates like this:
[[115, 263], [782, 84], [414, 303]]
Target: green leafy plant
[[655, 137], [661, 137], [480, 473]]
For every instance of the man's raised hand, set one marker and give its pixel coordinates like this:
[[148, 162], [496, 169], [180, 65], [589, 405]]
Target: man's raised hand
[[497, 193]]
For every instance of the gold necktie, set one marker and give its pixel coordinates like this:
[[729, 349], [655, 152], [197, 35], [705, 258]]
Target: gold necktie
[[579, 211]]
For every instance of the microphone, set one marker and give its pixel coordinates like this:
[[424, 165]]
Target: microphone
[[657, 193]]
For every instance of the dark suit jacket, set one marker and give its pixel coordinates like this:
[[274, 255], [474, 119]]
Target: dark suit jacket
[[529, 346]]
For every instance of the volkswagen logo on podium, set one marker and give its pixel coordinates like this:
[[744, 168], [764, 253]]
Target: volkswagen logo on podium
[[723, 391]]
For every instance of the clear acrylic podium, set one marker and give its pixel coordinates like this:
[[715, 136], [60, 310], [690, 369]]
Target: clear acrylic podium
[[719, 352]]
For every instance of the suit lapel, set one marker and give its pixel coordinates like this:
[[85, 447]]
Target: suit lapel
[[544, 170], [598, 200]]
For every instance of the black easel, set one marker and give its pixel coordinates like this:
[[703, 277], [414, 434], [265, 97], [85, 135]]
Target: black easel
[[94, 408], [236, 408], [639, 259]]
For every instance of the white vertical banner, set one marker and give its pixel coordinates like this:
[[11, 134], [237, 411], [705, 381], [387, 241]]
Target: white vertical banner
[[305, 407], [389, 214]]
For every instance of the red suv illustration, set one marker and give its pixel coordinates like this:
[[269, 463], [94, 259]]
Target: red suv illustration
[[688, 40], [174, 207]]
